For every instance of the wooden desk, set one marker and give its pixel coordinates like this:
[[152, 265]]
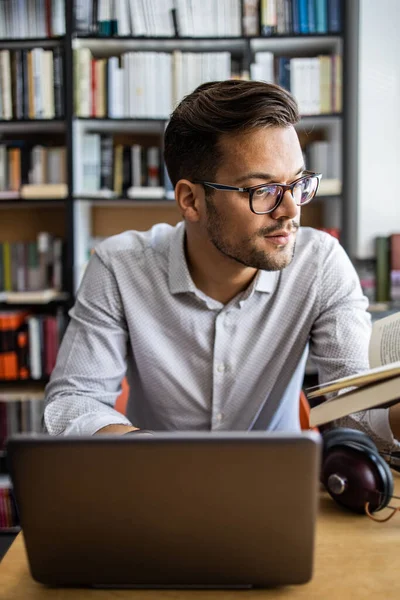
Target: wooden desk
[[355, 559]]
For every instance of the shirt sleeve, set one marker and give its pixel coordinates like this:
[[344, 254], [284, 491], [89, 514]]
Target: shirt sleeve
[[91, 362], [340, 337]]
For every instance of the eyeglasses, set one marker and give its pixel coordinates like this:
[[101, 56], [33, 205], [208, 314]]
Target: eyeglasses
[[266, 198]]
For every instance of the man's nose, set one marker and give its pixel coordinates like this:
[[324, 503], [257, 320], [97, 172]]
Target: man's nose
[[287, 208]]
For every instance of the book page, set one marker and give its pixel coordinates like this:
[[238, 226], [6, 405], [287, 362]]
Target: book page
[[359, 379], [384, 346]]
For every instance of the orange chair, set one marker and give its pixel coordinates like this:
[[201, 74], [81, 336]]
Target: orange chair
[[122, 399], [304, 406]]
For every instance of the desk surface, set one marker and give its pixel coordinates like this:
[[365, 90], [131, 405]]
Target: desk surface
[[355, 558]]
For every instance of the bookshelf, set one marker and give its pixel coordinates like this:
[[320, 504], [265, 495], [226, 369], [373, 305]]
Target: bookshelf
[[84, 213]]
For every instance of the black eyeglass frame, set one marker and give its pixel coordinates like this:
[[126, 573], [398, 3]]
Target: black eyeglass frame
[[281, 186]]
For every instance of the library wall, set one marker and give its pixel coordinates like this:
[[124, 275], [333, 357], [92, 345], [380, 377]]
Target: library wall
[[378, 211], [108, 221], [23, 224]]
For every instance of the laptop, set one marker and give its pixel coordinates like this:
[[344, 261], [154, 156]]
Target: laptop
[[191, 510]]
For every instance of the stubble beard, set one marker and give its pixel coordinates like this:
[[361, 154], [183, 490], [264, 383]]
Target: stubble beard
[[244, 251]]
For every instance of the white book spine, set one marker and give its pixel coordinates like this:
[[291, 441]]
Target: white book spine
[[34, 348], [5, 84]]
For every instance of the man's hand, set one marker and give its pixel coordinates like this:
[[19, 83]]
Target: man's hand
[[394, 420], [118, 429]]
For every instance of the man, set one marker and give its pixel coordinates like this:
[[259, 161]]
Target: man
[[211, 320]]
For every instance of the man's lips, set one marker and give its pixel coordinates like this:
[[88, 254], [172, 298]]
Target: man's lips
[[280, 238]]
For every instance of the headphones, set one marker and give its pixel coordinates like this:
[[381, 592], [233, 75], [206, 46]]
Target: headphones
[[355, 474]]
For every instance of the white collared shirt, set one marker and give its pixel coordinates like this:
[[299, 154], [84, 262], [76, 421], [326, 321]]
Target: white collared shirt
[[193, 363]]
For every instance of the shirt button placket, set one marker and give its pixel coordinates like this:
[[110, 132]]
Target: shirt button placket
[[220, 369]]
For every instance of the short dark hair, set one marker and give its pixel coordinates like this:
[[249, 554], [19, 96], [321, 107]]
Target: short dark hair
[[215, 108]]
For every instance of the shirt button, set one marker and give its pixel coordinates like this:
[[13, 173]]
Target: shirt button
[[218, 417], [221, 368]]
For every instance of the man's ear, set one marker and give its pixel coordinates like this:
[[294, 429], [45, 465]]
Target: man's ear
[[189, 197]]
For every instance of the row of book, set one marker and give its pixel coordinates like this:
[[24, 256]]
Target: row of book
[[287, 17], [380, 276], [21, 164], [31, 19], [207, 18], [109, 167], [29, 344], [323, 156], [128, 85], [31, 84], [20, 412], [8, 511], [387, 251], [32, 265], [153, 18], [315, 82]]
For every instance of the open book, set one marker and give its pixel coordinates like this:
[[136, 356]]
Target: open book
[[373, 388]]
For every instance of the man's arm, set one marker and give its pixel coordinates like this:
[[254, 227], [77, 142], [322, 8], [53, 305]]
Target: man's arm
[[117, 429], [340, 339], [394, 420], [91, 362]]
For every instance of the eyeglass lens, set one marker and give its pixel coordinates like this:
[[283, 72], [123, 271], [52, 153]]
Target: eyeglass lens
[[265, 198]]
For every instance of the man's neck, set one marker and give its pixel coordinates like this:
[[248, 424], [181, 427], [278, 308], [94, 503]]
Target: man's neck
[[214, 274]]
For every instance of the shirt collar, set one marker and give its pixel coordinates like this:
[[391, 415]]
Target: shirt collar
[[180, 279], [179, 276], [265, 281]]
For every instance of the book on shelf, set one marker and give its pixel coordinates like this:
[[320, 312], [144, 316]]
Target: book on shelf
[[145, 193], [32, 266], [378, 386], [195, 18], [9, 520], [111, 170], [330, 187], [44, 191], [21, 411], [32, 171], [29, 343], [32, 83], [27, 19], [387, 268], [38, 297], [395, 267]]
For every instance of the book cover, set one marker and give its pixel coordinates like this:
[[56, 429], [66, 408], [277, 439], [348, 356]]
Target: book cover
[[378, 386]]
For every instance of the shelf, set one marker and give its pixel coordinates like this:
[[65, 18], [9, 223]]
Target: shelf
[[299, 45], [384, 307], [137, 125], [132, 203], [12, 43], [14, 383], [5, 530], [33, 298], [32, 125], [157, 124], [108, 45], [38, 203], [329, 187]]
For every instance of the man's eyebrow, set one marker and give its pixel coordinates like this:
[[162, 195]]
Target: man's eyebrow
[[266, 177]]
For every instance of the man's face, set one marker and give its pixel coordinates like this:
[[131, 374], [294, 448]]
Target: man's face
[[265, 155]]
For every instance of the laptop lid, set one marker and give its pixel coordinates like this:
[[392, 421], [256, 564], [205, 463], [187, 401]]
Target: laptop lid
[[173, 510]]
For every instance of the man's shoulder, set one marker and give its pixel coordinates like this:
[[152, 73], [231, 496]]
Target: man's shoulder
[[313, 249], [316, 237], [137, 244]]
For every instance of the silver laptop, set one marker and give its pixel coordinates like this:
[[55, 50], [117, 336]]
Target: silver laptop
[[174, 510]]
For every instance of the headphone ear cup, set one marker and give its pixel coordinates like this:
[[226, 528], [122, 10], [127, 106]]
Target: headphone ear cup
[[341, 435], [355, 475]]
